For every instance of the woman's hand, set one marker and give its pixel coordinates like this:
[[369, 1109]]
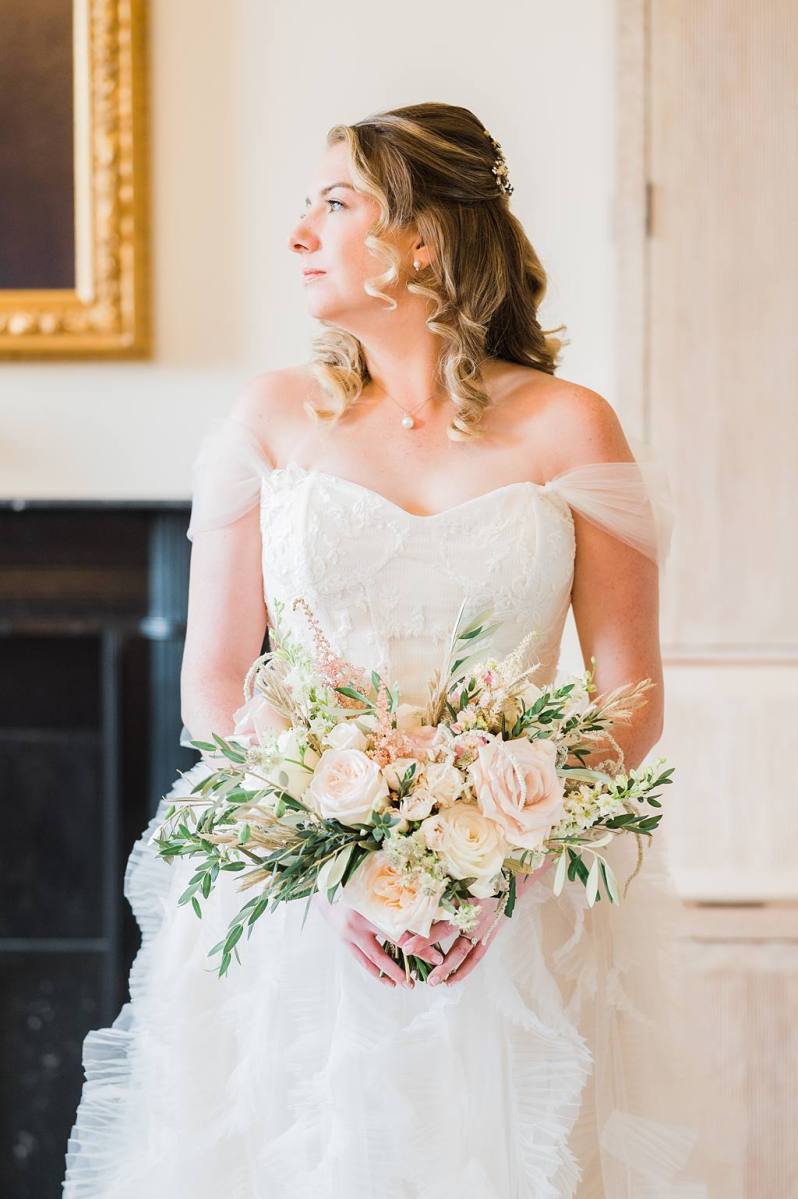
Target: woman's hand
[[470, 948], [362, 938]]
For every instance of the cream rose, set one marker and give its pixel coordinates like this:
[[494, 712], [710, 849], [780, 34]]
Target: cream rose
[[517, 786], [347, 786], [346, 735], [393, 772], [394, 903], [408, 717], [417, 804], [432, 831], [288, 772], [445, 782], [471, 845]]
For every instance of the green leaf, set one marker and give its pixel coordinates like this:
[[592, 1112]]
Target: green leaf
[[353, 693], [186, 896], [559, 874], [233, 938], [610, 882], [592, 884], [508, 910], [195, 905]]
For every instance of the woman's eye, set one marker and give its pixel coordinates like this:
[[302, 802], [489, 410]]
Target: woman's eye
[[304, 214]]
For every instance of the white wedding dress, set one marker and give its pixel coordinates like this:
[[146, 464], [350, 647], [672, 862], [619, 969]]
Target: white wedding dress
[[553, 1070]]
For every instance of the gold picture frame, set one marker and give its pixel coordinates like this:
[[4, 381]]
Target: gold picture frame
[[104, 311]]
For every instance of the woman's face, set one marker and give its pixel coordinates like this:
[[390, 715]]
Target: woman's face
[[329, 238]]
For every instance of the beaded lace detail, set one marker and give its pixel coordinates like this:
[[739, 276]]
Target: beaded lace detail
[[387, 584]]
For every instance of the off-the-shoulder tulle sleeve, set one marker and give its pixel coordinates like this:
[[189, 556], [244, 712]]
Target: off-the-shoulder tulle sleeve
[[631, 500], [227, 474]]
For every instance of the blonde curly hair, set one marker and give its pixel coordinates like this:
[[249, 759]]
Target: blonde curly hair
[[431, 164]]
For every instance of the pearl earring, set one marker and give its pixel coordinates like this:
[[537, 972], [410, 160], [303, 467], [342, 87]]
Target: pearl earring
[[416, 265]]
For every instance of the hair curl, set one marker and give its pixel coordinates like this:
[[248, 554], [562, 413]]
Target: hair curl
[[431, 164]]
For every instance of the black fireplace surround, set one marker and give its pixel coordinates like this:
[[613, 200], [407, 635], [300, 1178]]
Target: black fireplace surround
[[92, 623]]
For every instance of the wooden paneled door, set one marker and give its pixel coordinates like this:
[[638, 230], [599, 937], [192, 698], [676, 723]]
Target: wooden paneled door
[[707, 237]]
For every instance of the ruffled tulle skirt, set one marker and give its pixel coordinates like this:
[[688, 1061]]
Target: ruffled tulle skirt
[[557, 1068]]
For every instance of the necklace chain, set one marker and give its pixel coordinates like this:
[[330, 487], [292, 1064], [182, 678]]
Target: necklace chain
[[407, 419]]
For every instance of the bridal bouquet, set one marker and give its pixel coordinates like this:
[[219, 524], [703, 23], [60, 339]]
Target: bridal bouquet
[[408, 813]]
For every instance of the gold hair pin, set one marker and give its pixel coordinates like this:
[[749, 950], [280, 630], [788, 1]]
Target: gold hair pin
[[499, 167]]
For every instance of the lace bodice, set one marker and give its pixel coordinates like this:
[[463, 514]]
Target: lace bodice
[[386, 584]]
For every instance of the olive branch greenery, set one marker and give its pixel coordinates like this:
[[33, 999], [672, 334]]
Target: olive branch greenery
[[276, 843]]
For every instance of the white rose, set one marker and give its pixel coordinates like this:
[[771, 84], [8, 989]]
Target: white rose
[[432, 831], [417, 805], [444, 781], [347, 786], [408, 716], [471, 845], [393, 902], [346, 735], [288, 772], [392, 772]]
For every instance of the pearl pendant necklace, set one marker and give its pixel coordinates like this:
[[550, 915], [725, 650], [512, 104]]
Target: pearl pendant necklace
[[407, 420]]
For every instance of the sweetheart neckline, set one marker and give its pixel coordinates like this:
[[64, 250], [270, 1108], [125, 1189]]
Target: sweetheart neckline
[[312, 471]]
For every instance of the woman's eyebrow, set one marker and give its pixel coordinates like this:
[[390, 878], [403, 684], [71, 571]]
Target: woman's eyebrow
[[329, 188]]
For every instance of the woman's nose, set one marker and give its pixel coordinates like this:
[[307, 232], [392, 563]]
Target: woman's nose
[[302, 238]]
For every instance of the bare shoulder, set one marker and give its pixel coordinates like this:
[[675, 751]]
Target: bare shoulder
[[270, 404], [575, 423]]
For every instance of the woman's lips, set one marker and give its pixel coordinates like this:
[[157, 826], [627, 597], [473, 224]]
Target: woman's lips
[[310, 275]]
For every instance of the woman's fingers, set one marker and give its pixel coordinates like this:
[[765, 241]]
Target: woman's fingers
[[467, 965], [371, 947], [370, 966], [459, 951], [421, 947]]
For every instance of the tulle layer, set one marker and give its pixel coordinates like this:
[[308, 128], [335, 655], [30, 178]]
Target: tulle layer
[[548, 1073], [630, 500]]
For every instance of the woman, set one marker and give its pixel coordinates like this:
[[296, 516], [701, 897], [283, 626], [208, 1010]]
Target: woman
[[426, 453]]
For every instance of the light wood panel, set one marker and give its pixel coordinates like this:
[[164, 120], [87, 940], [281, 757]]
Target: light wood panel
[[723, 314], [742, 968], [708, 358], [731, 817]]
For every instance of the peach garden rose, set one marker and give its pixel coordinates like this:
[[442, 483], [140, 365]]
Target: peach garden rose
[[393, 902]]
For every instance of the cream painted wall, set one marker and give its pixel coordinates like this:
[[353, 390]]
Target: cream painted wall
[[242, 94]]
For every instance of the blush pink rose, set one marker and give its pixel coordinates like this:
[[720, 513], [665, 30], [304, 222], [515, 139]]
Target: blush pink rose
[[518, 787], [424, 738]]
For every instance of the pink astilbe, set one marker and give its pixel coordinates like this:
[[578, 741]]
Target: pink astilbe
[[389, 743], [336, 671]]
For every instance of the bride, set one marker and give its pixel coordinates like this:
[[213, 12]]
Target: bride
[[426, 454]]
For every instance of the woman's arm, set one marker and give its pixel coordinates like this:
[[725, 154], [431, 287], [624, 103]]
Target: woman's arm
[[226, 624], [615, 592], [227, 614]]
